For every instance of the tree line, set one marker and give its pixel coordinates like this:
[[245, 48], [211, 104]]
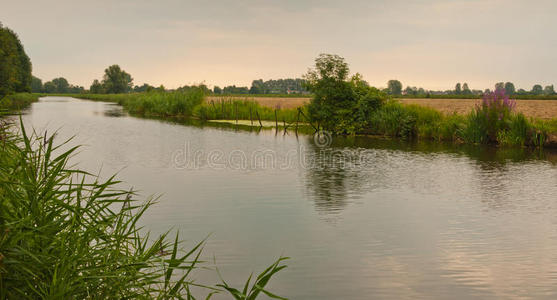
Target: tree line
[[272, 86], [394, 87]]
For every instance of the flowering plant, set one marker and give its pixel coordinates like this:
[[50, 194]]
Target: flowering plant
[[496, 109]]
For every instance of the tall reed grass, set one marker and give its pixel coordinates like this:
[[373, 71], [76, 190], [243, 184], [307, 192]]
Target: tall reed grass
[[228, 109], [17, 101], [65, 234], [487, 124]]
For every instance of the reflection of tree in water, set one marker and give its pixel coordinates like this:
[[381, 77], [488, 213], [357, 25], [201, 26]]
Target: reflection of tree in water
[[495, 173], [334, 178]]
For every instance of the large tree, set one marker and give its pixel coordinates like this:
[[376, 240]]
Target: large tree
[[466, 89], [537, 89], [36, 85], [116, 80], [509, 88], [549, 90], [340, 104], [96, 87], [457, 89], [394, 87], [15, 66], [62, 85]]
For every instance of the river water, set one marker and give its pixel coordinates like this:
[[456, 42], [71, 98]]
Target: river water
[[360, 218]]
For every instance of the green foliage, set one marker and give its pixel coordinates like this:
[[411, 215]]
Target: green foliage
[[394, 87], [518, 132], [116, 80], [15, 66], [65, 234], [232, 89], [224, 109], [280, 86], [339, 104], [36, 85], [251, 293], [155, 103], [17, 101], [96, 87]]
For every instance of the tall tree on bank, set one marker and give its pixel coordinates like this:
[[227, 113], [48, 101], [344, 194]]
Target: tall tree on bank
[[537, 89], [465, 89], [458, 89], [394, 87], [36, 85], [116, 80], [509, 88], [96, 87], [15, 65], [340, 104]]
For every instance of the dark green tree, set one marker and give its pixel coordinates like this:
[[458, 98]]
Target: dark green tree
[[116, 80], [509, 88], [499, 86], [15, 66], [394, 87], [465, 89], [549, 90], [62, 85], [96, 87], [36, 85], [340, 104], [537, 89], [49, 87], [457, 89], [144, 88], [217, 90]]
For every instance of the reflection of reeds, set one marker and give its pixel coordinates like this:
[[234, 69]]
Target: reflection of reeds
[[66, 234]]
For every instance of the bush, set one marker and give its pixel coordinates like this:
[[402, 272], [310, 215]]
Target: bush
[[340, 104]]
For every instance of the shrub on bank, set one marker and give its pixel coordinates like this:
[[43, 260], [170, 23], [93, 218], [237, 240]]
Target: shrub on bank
[[340, 104]]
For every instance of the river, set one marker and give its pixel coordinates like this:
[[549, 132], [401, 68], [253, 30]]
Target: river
[[361, 218]]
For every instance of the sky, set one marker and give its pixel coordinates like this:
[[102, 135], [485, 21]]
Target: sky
[[426, 43]]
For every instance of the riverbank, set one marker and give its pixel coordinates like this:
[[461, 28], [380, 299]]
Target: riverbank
[[394, 118], [542, 109], [17, 101]]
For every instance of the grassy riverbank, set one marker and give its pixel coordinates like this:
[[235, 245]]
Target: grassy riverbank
[[17, 101], [392, 118], [65, 234]]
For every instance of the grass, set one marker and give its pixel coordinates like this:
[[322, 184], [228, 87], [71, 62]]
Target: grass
[[416, 122], [192, 104], [17, 101], [65, 234], [244, 110]]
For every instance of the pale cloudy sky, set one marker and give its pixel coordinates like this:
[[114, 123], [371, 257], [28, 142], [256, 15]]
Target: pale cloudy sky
[[428, 43]]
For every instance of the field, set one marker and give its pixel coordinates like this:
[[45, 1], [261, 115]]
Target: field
[[543, 109]]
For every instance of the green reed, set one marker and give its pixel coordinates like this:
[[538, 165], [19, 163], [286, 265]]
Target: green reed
[[17, 101], [66, 234]]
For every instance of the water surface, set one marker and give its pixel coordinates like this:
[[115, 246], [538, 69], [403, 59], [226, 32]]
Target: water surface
[[362, 218]]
